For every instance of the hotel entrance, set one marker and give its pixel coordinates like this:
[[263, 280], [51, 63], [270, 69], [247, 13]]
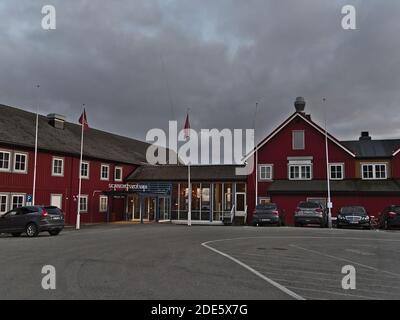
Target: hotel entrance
[[149, 208]]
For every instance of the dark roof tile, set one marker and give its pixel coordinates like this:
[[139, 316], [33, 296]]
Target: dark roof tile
[[17, 127]]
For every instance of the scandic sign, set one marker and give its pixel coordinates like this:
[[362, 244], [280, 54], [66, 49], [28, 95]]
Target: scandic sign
[[137, 186]]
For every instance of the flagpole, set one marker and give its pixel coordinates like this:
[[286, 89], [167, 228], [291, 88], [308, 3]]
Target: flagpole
[[187, 136], [36, 148], [329, 202], [78, 217], [189, 197]]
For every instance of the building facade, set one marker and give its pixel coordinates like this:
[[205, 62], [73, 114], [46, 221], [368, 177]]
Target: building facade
[[118, 184], [291, 167]]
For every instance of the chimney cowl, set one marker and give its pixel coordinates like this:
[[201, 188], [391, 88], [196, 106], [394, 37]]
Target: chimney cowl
[[300, 104], [56, 120], [365, 136]]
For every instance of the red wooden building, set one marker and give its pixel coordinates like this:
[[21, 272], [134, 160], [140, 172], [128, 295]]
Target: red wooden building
[[118, 184], [291, 167], [108, 159]]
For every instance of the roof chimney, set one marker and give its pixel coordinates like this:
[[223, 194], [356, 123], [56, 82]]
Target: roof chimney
[[300, 104], [365, 136], [56, 120]]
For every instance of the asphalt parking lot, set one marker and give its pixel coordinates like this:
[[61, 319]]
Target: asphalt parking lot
[[163, 261]]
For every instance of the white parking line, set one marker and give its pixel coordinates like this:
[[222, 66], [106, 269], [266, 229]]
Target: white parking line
[[346, 260], [258, 274]]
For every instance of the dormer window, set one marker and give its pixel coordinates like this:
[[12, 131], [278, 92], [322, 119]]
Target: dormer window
[[374, 171], [298, 139]]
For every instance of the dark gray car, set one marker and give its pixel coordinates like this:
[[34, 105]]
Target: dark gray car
[[32, 220], [308, 212], [269, 214]]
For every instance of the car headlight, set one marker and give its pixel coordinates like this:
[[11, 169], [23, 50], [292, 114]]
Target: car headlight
[[366, 218]]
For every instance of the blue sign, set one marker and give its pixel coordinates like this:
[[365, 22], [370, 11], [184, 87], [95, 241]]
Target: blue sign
[[29, 198]]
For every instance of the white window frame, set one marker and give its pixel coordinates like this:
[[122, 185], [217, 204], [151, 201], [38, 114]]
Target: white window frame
[[115, 173], [88, 170], [304, 138], [18, 153], [56, 174], [300, 165], [336, 165], [23, 195], [57, 195], [84, 196], [7, 203], [271, 168], [9, 160], [108, 172], [374, 165], [101, 209]]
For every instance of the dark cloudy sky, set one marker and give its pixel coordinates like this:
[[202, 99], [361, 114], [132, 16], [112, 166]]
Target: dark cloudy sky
[[138, 63]]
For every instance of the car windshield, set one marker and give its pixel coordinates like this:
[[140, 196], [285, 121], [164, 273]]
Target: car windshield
[[353, 211], [264, 207], [309, 205]]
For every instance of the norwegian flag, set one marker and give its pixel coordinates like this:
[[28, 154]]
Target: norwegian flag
[[187, 128], [83, 120]]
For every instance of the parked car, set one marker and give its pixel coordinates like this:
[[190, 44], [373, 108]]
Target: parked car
[[268, 213], [32, 220], [390, 217], [353, 216], [308, 212]]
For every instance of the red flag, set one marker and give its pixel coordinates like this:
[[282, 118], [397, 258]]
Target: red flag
[[83, 120], [187, 127]]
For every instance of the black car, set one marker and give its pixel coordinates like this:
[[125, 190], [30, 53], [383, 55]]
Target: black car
[[32, 220], [353, 216], [268, 214], [390, 217], [308, 212]]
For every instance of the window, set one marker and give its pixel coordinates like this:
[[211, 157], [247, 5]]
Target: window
[[336, 171], [264, 200], [103, 205], [20, 162], [3, 203], [104, 173], [374, 171], [85, 170], [58, 167], [265, 172], [5, 160], [298, 139], [17, 200], [300, 172], [118, 174], [83, 203]]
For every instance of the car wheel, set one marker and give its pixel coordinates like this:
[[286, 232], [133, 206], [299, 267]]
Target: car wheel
[[31, 230], [54, 232], [338, 226], [16, 234]]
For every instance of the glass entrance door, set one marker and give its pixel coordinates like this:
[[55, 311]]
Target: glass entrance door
[[164, 208], [150, 207], [240, 203]]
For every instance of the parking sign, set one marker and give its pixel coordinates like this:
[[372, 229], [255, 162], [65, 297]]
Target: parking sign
[[28, 199]]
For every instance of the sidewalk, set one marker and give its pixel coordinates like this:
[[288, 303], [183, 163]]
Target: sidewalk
[[98, 224]]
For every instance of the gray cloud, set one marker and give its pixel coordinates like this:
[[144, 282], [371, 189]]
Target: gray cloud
[[137, 64]]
